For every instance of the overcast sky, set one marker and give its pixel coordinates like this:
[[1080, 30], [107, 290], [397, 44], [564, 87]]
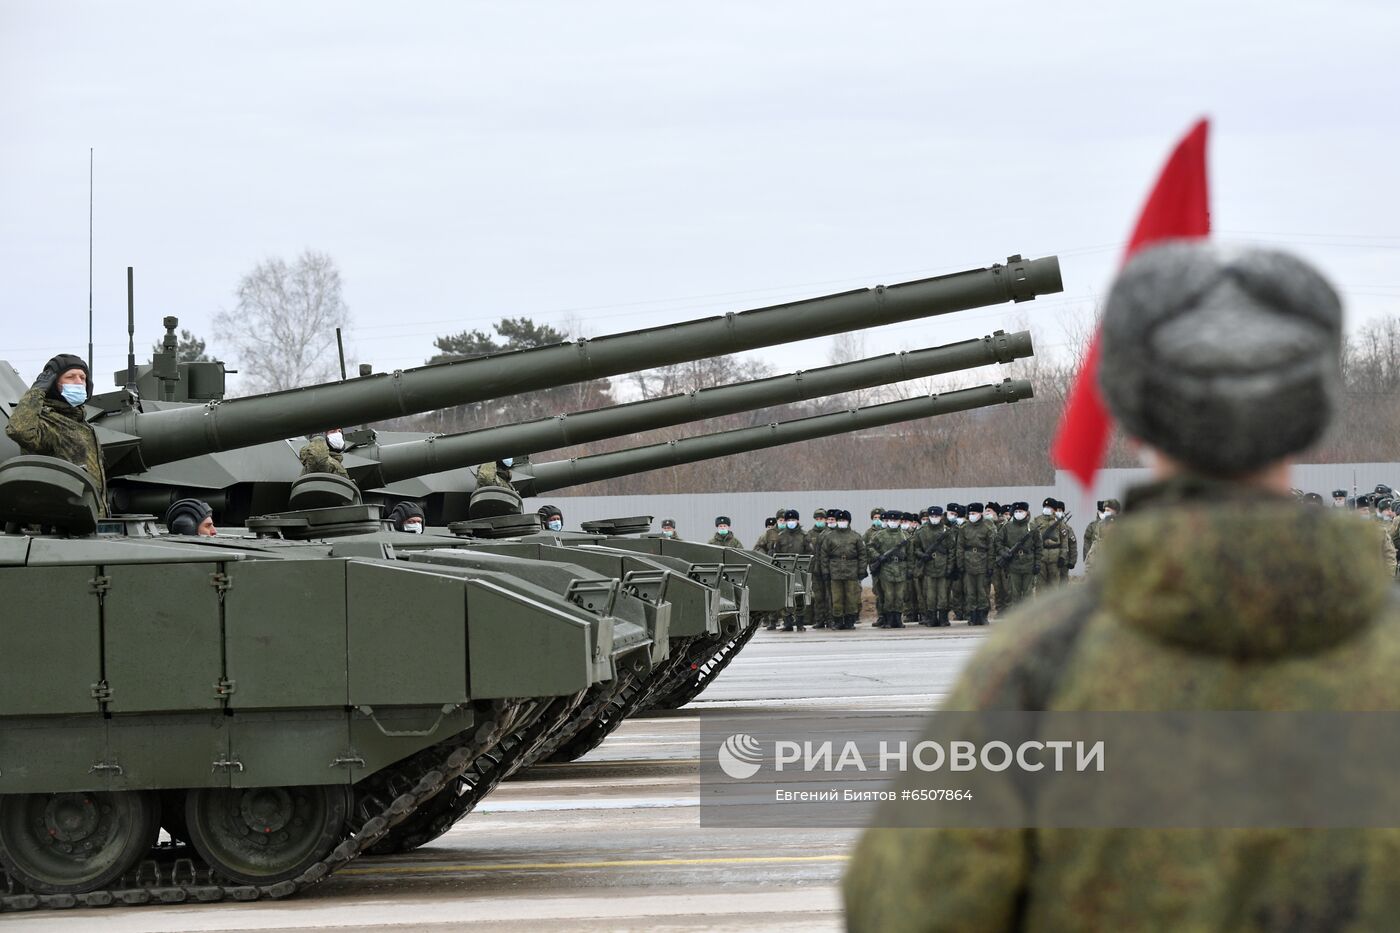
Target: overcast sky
[[620, 165]]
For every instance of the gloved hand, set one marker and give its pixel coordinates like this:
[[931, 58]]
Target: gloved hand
[[1035, 568], [46, 379], [56, 367], [1060, 563]]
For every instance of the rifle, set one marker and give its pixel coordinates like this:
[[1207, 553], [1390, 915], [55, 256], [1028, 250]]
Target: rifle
[[878, 562], [1005, 560], [923, 557]]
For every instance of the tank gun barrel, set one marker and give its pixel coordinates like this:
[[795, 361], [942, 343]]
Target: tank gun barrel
[[396, 462], [559, 474], [135, 441]]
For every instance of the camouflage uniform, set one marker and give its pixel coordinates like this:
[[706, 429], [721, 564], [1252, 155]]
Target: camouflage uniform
[[1272, 606], [492, 474], [728, 540], [1021, 568], [53, 428], [1001, 586], [843, 559], [1091, 532], [938, 542], [890, 577], [818, 607], [317, 457], [793, 541], [977, 550], [1051, 551], [1071, 552], [955, 581], [869, 538], [767, 541]]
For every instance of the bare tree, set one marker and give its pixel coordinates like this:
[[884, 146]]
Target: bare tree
[[282, 332]]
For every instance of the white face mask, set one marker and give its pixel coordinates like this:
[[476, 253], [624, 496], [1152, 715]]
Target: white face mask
[[1019, 516], [935, 519], [555, 525], [1059, 514], [1109, 513], [1339, 502], [413, 528], [791, 526], [960, 520], [974, 516], [843, 525], [1047, 511], [336, 440]]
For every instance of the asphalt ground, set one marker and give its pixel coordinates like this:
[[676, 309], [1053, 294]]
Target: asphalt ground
[[613, 841]]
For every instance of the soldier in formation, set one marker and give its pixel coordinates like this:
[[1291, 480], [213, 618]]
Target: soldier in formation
[[1019, 554], [935, 555], [889, 559], [1218, 593], [977, 552], [818, 607], [843, 559], [724, 535], [877, 522], [49, 420]]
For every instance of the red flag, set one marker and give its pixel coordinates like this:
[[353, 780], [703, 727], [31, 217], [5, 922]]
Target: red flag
[[1178, 207]]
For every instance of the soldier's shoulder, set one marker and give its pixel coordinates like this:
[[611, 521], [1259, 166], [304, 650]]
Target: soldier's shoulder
[[1025, 650]]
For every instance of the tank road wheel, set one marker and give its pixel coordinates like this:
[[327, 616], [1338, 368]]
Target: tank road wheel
[[71, 843], [262, 835]]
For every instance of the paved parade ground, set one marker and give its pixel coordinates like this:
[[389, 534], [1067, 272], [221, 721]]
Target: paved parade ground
[[613, 841]]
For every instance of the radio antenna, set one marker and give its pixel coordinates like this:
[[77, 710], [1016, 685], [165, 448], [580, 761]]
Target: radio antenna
[[130, 332], [92, 364]]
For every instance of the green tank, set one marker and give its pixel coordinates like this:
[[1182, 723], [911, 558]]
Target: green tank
[[278, 706], [278, 743]]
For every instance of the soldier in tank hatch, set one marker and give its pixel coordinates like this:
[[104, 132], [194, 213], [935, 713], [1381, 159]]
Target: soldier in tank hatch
[[407, 517], [552, 517], [190, 517], [324, 453], [495, 473], [49, 420]]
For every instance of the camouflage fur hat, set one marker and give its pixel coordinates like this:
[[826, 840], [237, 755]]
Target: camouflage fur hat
[[1224, 359]]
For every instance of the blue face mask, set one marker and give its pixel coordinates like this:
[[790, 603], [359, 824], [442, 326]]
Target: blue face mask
[[508, 462], [555, 525], [75, 395]]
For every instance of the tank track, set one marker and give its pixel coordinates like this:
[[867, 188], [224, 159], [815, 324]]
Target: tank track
[[622, 703], [474, 782], [704, 672], [186, 880]]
